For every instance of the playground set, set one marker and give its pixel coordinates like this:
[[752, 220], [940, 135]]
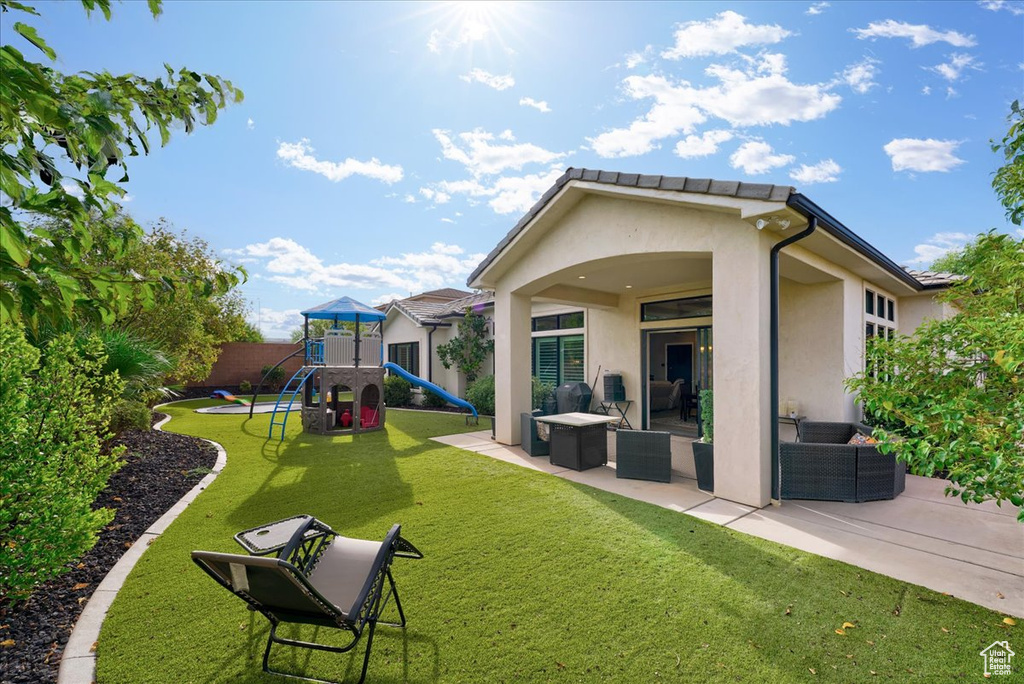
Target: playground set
[[340, 385]]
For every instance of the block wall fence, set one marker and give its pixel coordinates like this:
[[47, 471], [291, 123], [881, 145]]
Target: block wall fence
[[240, 361]]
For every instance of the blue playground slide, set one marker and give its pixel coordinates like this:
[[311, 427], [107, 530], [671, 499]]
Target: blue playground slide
[[420, 382]]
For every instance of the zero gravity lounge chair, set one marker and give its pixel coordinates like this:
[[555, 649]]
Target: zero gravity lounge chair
[[317, 578]]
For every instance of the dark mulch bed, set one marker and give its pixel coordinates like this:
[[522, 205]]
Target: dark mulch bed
[[159, 469]]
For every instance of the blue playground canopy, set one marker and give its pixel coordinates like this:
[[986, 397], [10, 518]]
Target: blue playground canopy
[[345, 309]]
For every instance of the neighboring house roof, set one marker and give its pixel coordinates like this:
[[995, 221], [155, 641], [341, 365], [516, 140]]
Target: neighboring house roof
[[445, 294], [434, 313], [706, 186], [932, 280]]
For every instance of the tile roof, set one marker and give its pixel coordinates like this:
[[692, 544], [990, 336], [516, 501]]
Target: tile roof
[[446, 292], [932, 280], [705, 186], [435, 313]]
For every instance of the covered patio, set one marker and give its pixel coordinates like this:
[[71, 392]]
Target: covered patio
[[659, 262], [972, 551]]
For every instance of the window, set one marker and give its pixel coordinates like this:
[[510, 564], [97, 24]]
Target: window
[[558, 360], [406, 355], [690, 307], [566, 321], [879, 316]]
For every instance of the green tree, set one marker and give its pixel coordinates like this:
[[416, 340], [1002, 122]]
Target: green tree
[[54, 411], [468, 350], [93, 122], [1008, 181], [951, 398]]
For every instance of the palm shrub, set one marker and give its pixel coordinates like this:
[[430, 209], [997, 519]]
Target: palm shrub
[[54, 411], [481, 395], [140, 363]]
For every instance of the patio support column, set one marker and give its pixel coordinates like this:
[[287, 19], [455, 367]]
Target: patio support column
[[511, 363], [742, 367]]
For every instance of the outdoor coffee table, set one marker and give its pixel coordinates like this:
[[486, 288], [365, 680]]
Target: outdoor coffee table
[[578, 440]]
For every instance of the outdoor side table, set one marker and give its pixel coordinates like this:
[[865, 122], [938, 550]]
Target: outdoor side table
[[794, 421], [620, 407], [272, 537], [578, 440]]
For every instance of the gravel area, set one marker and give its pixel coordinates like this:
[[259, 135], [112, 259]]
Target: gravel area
[[160, 467]]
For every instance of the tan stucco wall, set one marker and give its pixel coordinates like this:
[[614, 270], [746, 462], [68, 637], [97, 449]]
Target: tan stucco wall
[[811, 365], [913, 311]]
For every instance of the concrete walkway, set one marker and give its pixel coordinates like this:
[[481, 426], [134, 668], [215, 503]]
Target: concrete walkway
[[974, 552]]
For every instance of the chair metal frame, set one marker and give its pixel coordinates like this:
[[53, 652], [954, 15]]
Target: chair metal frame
[[295, 561]]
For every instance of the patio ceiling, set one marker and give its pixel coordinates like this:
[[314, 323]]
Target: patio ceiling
[[601, 283]]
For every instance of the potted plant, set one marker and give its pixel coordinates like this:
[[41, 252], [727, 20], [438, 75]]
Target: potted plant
[[704, 449]]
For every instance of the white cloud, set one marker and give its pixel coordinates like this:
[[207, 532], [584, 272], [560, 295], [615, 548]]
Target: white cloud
[[1015, 8], [721, 35], [675, 111], [72, 188], [817, 8], [409, 199], [919, 34], [284, 255], [127, 198], [250, 124], [702, 145], [938, 246], [470, 31], [508, 194], [951, 92], [274, 323], [435, 196], [825, 171], [759, 95], [756, 157], [927, 90], [481, 157], [495, 81], [447, 220], [861, 76], [911, 154], [539, 105], [954, 69], [300, 155], [293, 265], [384, 299]]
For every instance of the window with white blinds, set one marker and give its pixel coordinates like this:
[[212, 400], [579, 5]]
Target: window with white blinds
[[558, 360]]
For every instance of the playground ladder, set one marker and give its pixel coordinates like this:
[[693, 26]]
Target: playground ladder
[[298, 380]]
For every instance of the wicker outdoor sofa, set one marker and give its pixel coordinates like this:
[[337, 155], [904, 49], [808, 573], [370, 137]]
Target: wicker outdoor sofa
[[824, 467]]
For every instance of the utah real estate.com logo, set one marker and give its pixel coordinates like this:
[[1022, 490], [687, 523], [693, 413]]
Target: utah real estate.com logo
[[997, 658]]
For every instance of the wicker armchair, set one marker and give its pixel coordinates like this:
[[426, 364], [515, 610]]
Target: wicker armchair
[[642, 455], [824, 467], [531, 442]]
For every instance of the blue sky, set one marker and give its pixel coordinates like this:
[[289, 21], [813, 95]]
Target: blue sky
[[382, 149]]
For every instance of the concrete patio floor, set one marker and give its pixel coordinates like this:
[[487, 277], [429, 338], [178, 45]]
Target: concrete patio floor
[[972, 551]]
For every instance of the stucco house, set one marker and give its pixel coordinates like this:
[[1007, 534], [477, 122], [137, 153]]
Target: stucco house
[[750, 289]]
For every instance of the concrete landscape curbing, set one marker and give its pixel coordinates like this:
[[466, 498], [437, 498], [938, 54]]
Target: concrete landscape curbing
[[78, 662]]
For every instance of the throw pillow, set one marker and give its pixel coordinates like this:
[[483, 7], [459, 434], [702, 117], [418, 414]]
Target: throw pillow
[[862, 440]]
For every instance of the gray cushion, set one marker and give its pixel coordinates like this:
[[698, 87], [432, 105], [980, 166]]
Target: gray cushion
[[343, 571]]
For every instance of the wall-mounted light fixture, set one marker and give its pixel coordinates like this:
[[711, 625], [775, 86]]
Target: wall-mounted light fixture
[[763, 223]]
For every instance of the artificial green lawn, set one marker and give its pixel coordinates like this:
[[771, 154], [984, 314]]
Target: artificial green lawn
[[526, 577]]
